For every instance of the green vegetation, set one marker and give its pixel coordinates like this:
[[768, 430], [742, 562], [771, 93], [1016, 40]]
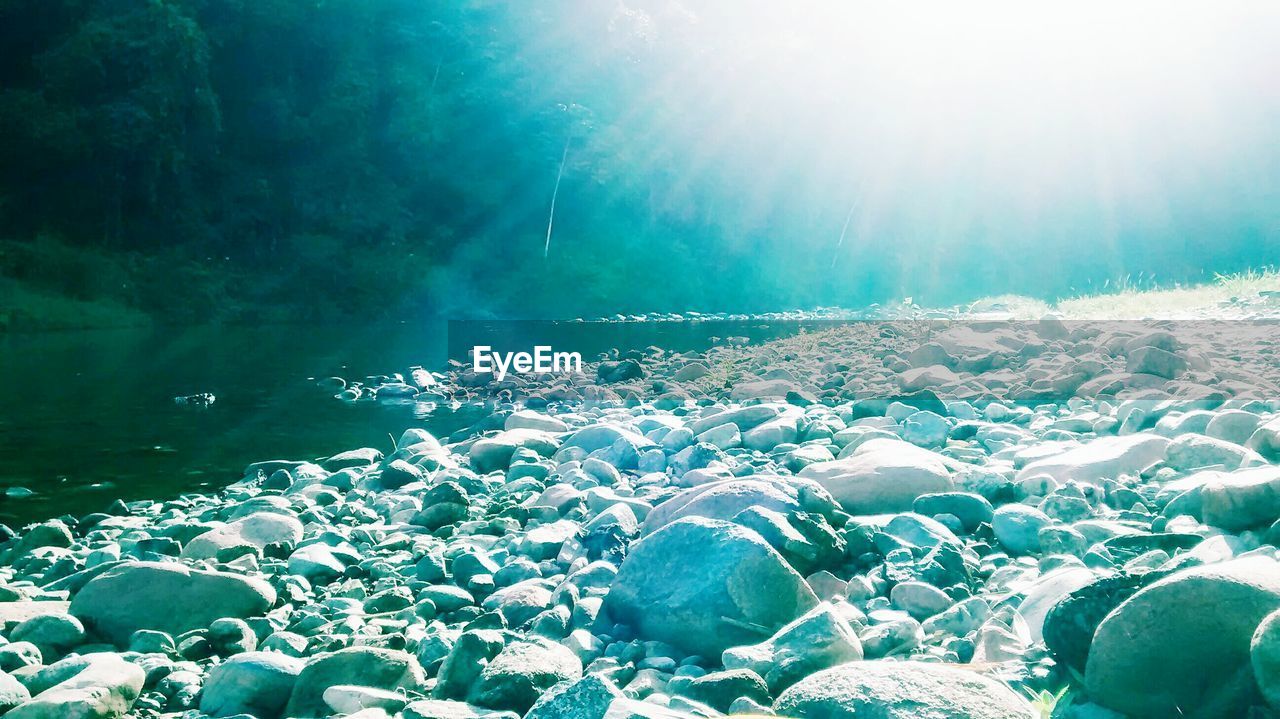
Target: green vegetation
[[1127, 298], [274, 160], [1047, 704]]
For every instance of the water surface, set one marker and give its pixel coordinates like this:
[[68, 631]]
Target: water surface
[[88, 417]]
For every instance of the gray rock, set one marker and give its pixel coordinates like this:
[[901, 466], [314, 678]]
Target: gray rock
[[925, 429], [1105, 458], [445, 709], [719, 690], [522, 671], [918, 599], [52, 634], [820, 639], [695, 584], [1018, 526], [744, 418], [1181, 646], [1072, 622], [12, 693], [722, 500], [601, 436], [1194, 451], [1233, 425], [361, 666], [1242, 500], [353, 458], [690, 372], [586, 698], [971, 509], [399, 473], [1266, 440], [1046, 592], [1264, 656], [166, 597], [725, 436], [1156, 361], [900, 690], [256, 530], [494, 453], [882, 475], [99, 686], [347, 699], [529, 419], [16, 655], [257, 683], [317, 562]]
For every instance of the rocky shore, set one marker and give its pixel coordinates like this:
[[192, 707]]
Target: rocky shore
[[977, 519]]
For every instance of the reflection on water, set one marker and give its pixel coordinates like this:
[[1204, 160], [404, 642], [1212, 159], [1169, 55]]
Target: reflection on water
[[88, 417]]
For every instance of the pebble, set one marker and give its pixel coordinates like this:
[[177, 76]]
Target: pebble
[[660, 540]]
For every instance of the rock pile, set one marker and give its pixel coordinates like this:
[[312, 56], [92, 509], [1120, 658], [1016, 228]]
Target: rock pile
[[653, 554]]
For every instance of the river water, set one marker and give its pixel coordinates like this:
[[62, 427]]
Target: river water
[[88, 417]]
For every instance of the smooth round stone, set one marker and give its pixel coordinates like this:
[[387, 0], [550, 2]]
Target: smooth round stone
[[54, 634], [256, 683], [882, 475], [348, 699], [1017, 527], [970, 509], [12, 693], [363, 666], [167, 597], [1264, 654], [918, 599], [1181, 645], [696, 583], [900, 690]]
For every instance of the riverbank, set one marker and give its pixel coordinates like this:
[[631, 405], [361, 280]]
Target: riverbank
[[941, 513]]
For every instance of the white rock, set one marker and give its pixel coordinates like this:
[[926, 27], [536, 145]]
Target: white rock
[[882, 475]]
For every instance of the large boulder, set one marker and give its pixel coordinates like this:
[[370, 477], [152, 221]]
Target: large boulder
[[12, 692], [99, 686], [1264, 654], [599, 436], [1265, 440], [1047, 591], [1180, 647], [1196, 451], [722, 500], [256, 530], [882, 475], [900, 690], [359, 666], [820, 639], [744, 418], [705, 585], [166, 597], [1156, 361], [1243, 499], [255, 683], [494, 453], [1105, 458], [586, 698], [521, 672]]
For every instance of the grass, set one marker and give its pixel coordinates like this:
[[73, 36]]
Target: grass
[[1141, 297]]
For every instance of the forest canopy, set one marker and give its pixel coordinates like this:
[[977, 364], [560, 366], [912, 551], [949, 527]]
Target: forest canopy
[[327, 159]]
